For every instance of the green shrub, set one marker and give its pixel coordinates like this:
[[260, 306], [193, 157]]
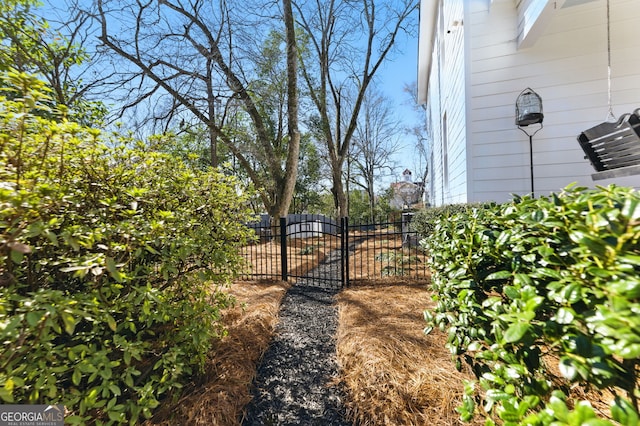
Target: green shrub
[[307, 250], [425, 220], [112, 256], [386, 256], [542, 285]]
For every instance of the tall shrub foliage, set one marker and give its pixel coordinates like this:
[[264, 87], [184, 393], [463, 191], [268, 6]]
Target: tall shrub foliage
[[541, 297], [112, 257]]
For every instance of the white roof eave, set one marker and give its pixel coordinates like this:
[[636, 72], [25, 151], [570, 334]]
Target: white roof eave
[[428, 19]]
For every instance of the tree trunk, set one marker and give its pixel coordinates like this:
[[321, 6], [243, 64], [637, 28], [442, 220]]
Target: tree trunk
[[213, 142], [285, 195], [337, 190], [188, 60], [372, 197]]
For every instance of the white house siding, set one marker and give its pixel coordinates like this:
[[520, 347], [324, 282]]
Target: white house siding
[[567, 67], [446, 101], [566, 63]]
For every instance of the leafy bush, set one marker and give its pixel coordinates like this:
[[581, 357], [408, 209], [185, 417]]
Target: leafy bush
[[539, 286], [307, 250], [425, 220], [112, 256]]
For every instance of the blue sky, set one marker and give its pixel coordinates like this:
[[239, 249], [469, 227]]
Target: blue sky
[[398, 72]]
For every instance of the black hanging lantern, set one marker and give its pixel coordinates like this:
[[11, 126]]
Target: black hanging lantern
[[528, 108]]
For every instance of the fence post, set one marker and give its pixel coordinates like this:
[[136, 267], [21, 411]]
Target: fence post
[[283, 248], [344, 224], [342, 283]]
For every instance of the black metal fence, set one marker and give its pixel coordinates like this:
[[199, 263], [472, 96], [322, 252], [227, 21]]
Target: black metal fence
[[328, 252]]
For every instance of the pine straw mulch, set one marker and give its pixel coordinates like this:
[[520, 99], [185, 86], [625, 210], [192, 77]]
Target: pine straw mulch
[[385, 256], [393, 372], [379, 253], [222, 393], [303, 255]]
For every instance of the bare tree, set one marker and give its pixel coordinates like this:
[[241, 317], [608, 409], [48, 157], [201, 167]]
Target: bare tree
[[196, 61], [376, 138], [292, 103], [348, 42], [421, 135]]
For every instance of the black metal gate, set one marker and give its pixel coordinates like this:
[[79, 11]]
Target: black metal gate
[[314, 251], [319, 251]]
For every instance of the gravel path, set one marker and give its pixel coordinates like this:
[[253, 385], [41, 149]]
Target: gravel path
[[294, 383]]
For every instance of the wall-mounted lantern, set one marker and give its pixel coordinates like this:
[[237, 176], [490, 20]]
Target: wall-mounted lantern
[[528, 112]]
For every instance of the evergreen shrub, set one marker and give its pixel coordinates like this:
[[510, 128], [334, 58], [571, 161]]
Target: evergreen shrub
[[541, 297], [112, 258], [424, 221]]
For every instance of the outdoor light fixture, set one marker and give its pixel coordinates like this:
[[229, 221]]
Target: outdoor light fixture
[[528, 112]]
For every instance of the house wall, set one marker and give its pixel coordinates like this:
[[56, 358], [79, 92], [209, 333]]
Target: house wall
[[567, 67], [446, 108]]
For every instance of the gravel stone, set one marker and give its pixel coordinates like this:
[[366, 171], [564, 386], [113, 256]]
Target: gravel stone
[[296, 379]]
